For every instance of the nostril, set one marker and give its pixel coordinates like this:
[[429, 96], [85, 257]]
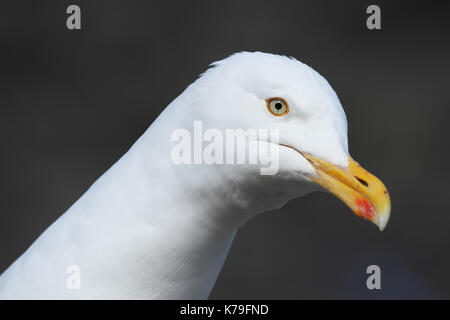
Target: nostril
[[364, 182]]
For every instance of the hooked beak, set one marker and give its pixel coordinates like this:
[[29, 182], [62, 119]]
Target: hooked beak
[[361, 191]]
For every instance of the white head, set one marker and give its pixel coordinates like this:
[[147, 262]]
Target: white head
[[265, 91], [315, 123]]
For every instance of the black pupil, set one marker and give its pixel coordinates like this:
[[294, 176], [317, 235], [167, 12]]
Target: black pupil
[[278, 106]]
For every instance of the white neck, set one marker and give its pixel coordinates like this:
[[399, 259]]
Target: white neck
[[145, 229]]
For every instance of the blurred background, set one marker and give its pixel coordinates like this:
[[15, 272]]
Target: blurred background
[[73, 102]]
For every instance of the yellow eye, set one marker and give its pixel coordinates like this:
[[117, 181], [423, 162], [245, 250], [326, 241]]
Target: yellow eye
[[277, 106]]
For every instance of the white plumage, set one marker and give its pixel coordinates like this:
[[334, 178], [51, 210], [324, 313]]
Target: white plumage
[[150, 229]]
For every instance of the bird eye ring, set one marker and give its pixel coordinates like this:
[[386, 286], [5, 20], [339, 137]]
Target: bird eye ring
[[277, 106]]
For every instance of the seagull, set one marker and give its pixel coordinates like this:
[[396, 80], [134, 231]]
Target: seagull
[[152, 228]]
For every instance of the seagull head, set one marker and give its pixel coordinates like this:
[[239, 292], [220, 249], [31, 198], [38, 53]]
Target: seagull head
[[283, 95]]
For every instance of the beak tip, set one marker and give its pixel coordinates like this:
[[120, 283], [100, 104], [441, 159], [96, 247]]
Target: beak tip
[[382, 220]]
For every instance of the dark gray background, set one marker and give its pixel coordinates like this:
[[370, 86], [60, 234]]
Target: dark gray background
[[72, 102]]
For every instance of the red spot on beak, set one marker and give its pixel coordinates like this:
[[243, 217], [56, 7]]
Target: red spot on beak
[[366, 209]]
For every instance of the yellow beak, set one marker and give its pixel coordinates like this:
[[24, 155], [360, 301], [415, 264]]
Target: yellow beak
[[364, 193]]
